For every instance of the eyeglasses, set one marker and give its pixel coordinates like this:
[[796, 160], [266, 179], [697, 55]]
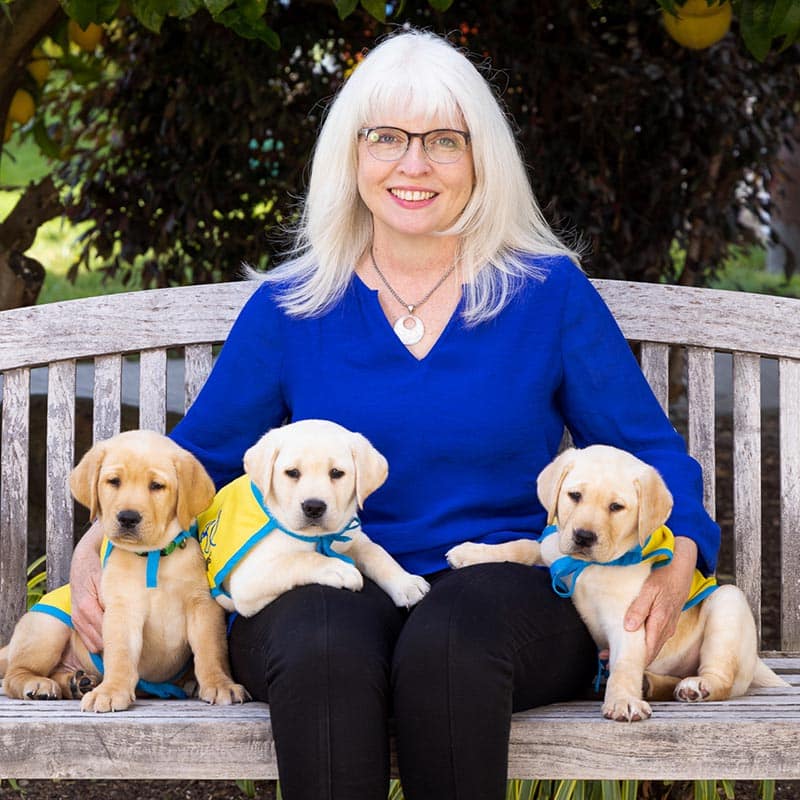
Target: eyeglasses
[[444, 146]]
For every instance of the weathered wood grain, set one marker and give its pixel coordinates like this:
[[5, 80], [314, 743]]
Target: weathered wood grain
[[135, 321], [747, 478], [701, 405], [153, 390], [59, 508], [655, 366], [107, 396], [13, 497], [197, 360]]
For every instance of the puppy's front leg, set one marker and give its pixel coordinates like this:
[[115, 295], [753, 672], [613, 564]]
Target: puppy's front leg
[[623, 699], [256, 582], [123, 626], [205, 623], [404, 588], [521, 551]]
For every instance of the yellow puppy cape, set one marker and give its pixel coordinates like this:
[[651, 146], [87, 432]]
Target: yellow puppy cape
[[237, 520], [658, 549], [58, 604]]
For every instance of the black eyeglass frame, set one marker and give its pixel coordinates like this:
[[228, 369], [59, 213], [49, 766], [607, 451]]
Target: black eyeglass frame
[[365, 132]]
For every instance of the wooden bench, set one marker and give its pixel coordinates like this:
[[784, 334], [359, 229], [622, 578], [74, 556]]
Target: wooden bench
[[757, 736]]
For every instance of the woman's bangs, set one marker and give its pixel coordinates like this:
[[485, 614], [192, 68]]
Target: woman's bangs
[[422, 99]]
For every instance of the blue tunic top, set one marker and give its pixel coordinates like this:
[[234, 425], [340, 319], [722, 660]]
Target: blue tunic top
[[468, 428]]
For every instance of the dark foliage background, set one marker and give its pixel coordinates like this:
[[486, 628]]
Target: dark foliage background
[[194, 155]]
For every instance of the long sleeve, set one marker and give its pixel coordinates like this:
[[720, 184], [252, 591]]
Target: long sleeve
[[606, 399], [242, 397]]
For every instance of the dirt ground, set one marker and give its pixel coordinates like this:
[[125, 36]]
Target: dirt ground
[[744, 790]]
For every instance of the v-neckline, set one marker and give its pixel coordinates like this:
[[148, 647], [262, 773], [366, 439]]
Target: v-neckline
[[386, 326]]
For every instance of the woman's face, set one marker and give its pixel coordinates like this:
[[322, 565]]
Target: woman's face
[[413, 196]]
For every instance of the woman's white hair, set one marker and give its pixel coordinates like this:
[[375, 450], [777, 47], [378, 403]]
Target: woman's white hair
[[425, 76]]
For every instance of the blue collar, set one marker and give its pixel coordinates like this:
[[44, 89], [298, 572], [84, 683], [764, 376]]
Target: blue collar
[[565, 571], [164, 689], [323, 543], [154, 556]]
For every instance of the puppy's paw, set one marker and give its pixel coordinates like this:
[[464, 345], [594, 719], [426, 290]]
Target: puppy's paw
[[81, 683], [224, 694], [106, 698], [692, 690], [41, 688], [626, 709], [467, 554], [340, 575], [408, 591]]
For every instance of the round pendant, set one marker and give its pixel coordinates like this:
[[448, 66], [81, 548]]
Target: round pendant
[[409, 329]]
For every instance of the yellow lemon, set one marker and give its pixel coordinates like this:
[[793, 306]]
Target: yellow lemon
[[87, 39], [699, 25], [7, 132], [39, 66], [22, 107]]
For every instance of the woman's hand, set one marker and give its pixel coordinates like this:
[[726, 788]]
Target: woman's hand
[[84, 579], [661, 600]]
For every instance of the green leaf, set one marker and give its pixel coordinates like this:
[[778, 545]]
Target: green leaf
[[46, 145], [86, 11], [375, 8], [183, 9], [252, 9], [754, 22], [767, 790], [345, 7], [440, 5], [249, 29], [216, 7], [151, 14]]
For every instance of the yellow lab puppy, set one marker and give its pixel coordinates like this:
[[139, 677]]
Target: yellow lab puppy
[[607, 511], [146, 492], [291, 520]]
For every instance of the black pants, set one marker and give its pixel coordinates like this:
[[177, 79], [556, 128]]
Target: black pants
[[336, 665]]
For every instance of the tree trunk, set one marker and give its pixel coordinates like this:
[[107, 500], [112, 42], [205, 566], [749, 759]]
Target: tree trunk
[[783, 253], [21, 277]]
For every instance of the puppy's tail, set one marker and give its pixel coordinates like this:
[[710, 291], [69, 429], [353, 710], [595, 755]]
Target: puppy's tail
[[765, 677], [3, 661]]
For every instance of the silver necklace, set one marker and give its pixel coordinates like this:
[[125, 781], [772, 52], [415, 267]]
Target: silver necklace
[[409, 328]]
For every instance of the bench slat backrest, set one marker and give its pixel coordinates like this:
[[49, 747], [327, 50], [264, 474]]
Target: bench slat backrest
[[189, 320]]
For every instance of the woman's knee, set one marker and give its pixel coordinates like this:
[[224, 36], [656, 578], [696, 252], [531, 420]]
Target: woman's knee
[[316, 634]]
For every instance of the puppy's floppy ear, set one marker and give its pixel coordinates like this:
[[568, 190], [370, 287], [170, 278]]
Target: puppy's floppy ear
[[259, 460], [195, 488], [655, 502], [372, 468], [83, 480], [548, 484]]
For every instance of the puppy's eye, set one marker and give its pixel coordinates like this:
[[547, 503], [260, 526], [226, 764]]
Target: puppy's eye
[[616, 507], [114, 482], [574, 496], [294, 474], [155, 486], [335, 474]]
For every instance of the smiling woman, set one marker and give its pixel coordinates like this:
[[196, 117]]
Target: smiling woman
[[427, 306]]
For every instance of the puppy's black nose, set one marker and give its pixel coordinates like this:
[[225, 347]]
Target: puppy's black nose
[[584, 538], [129, 518], [314, 508]]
